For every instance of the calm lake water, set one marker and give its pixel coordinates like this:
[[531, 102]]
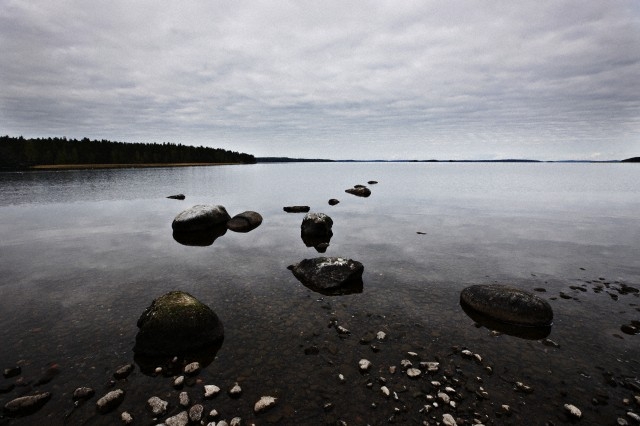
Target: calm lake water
[[83, 253]]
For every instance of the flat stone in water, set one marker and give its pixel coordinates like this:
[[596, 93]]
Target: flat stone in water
[[329, 275], [296, 209], [508, 304]]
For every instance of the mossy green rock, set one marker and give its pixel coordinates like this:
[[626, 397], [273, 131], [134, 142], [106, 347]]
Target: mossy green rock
[[175, 324]]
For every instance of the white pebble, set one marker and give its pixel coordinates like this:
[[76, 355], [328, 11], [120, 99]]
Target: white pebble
[[467, 353], [385, 391], [192, 368], [413, 372], [184, 399], [126, 418], [573, 410], [264, 403], [341, 378], [430, 366], [179, 381], [236, 390], [633, 416], [381, 335], [405, 363], [342, 330], [444, 397], [364, 364], [448, 420], [236, 421], [211, 391]]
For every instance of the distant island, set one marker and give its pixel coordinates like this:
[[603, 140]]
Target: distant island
[[508, 160], [20, 153]]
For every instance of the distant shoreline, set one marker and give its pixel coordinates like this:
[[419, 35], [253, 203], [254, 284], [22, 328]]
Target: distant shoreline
[[122, 166]]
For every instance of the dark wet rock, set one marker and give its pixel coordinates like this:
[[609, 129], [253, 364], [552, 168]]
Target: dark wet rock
[[372, 182], [83, 393], [202, 238], [7, 387], [177, 197], [296, 209], [177, 323], [333, 202], [199, 218], [630, 329], [123, 371], [52, 371], [312, 350], [11, 372], [359, 190], [330, 275], [26, 405], [110, 401], [507, 304], [245, 221], [316, 232]]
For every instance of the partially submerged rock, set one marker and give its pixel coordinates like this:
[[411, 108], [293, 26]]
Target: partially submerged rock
[[359, 190], [177, 323], [330, 275], [296, 209], [177, 197], [245, 221], [200, 217], [507, 304], [333, 202]]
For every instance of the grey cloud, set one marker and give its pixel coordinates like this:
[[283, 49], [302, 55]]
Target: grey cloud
[[439, 79]]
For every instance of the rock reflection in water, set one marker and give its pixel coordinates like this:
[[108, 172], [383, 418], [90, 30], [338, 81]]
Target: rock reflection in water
[[319, 243], [524, 332], [200, 238]]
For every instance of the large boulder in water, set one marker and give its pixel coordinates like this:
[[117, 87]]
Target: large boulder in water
[[199, 218], [177, 323], [507, 304], [330, 275]]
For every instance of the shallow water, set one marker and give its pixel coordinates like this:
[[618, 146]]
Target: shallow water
[[83, 253]]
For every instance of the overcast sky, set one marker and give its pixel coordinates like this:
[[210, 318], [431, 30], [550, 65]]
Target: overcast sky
[[329, 79]]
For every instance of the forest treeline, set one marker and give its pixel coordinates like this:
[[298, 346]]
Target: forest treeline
[[20, 153]]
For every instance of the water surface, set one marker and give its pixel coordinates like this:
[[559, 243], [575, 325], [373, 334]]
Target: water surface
[[83, 253]]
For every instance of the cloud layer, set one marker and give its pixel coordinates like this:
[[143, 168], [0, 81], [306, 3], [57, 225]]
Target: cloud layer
[[424, 79]]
